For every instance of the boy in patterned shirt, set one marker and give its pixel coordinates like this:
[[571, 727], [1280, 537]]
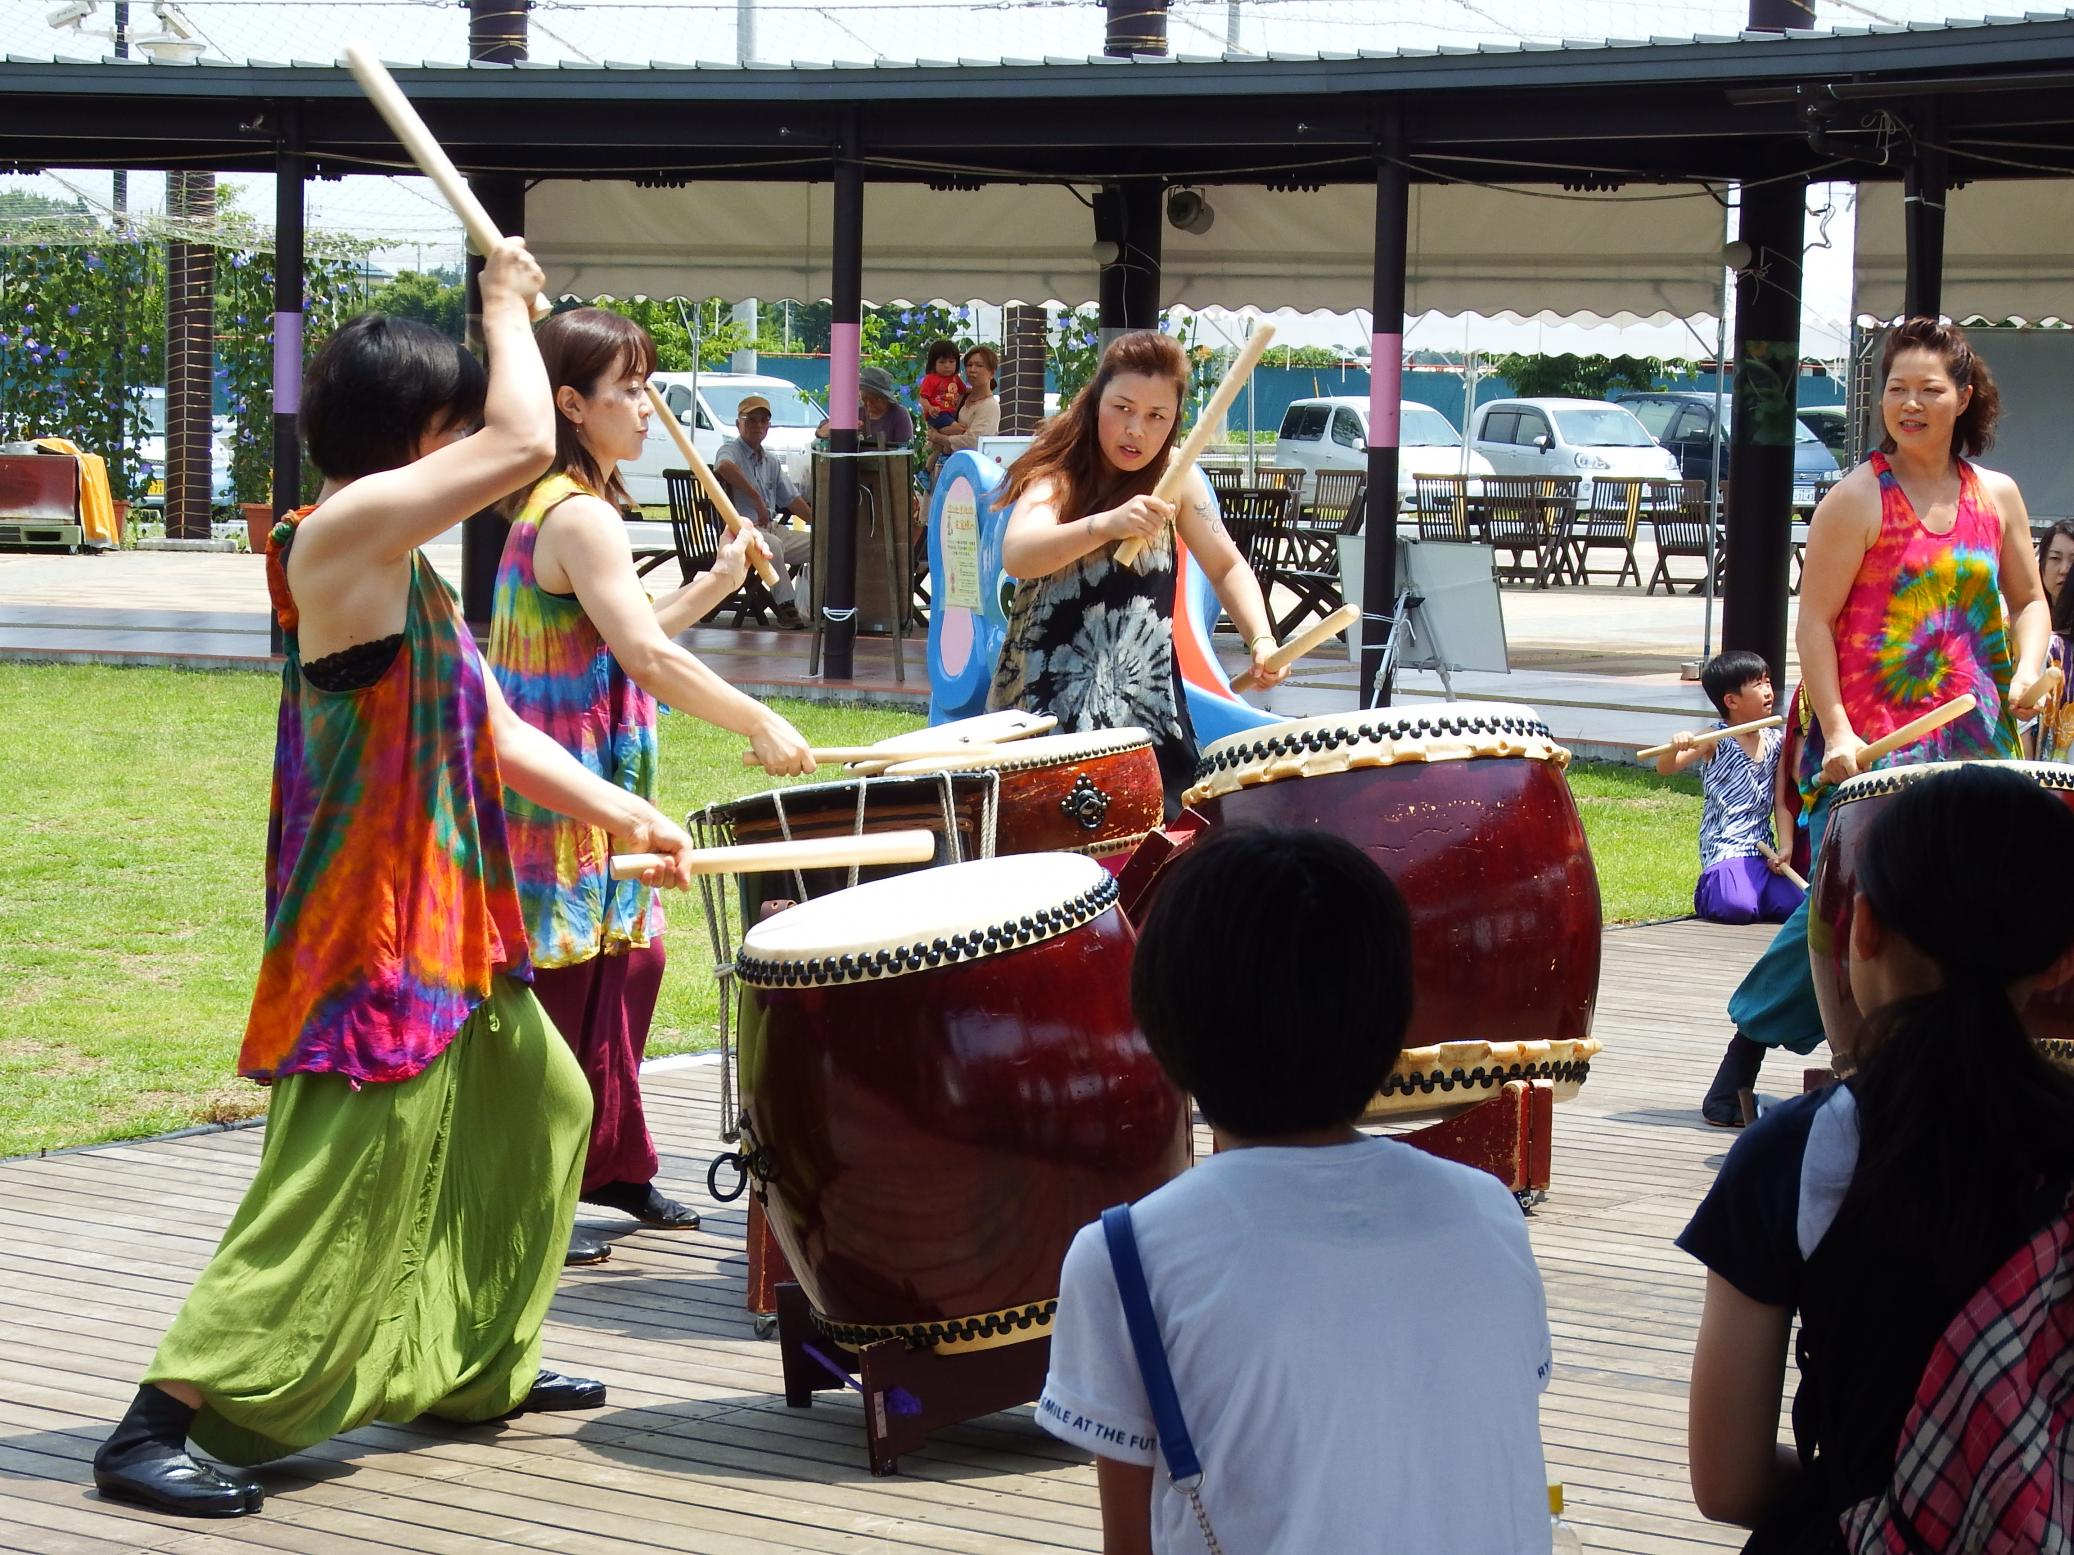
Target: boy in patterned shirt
[[1742, 877]]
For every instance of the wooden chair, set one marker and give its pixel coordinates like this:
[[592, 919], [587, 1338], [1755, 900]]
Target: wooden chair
[[1277, 477], [1334, 493], [1530, 516], [698, 531], [1681, 534], [1310, 569], [1258, 521], [1610, 522], [1224, 479], [1442, 505]]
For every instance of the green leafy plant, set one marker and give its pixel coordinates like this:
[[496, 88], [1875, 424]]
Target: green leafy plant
[[1577, 377]]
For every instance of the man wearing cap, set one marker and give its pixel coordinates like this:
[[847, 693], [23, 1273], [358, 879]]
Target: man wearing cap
[[761, 488], [880, 417]]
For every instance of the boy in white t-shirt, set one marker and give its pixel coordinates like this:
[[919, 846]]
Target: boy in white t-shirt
[[1356, 1329]]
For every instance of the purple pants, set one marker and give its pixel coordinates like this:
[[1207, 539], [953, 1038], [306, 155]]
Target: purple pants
[[602, 1007], [1744, 890]]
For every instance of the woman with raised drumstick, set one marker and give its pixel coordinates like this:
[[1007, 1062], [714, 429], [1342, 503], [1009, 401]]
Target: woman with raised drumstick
[[583, 654], [396, 1251], [1909, 561], [1090, 641]]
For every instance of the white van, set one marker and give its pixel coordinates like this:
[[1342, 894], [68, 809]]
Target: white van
[[1331, 433], [1570, 437], [711, 421]]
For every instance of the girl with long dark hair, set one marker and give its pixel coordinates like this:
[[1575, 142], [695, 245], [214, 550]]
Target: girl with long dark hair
[[1090, 641], [583, 654], [1874, 1209]]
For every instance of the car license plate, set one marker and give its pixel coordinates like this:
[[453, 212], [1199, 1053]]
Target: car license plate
[[1804, 495], [157, 488]]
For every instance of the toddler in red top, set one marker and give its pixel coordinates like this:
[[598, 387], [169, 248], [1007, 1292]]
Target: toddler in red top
[[941, 390]]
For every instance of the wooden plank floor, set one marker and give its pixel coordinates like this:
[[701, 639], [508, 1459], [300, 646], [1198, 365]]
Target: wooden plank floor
[[696, 1450]]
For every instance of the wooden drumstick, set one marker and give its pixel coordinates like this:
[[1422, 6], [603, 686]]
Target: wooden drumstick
[[1302, 643], [1912, 731], [825, 755], [434, 163], [759, 554], [885, 847], [2041, 688], [1774, 856], [1715, 736], [1198, 438]]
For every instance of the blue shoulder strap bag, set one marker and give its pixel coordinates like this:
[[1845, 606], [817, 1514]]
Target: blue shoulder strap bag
[[1175, 1445]]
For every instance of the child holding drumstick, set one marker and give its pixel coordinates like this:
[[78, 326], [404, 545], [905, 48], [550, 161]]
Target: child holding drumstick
[[1742, 870], [1282, 1021], [396, 1251]]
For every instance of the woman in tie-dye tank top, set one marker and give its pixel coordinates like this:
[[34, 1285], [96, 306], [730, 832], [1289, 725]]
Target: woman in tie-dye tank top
[[1911, 561], [583, 653], [396, 1251]]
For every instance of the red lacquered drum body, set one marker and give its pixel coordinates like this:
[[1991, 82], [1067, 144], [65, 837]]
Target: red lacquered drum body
[[942, 1082], [1858, 803], [1466, 809], [1096, 793]]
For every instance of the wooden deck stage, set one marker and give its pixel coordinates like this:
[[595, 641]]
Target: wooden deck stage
[[697, 1452]]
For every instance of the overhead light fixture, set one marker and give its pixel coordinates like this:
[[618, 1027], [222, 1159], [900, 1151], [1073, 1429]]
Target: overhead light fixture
[[1105, 252], [1737, 255], [177, 42], [1189, 211]]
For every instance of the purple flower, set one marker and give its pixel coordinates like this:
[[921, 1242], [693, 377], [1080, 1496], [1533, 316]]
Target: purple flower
[[36, 357], [64, 356], [71, 310], [93, 261], [239, 261], [3, 340], [28, 307]]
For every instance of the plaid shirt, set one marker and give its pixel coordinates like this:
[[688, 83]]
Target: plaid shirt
[[1986, 1461]]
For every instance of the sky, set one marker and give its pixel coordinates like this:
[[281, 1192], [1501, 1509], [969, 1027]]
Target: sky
[[416, 230]]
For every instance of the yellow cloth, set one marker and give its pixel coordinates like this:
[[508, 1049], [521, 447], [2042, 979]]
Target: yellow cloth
[[96, 503]]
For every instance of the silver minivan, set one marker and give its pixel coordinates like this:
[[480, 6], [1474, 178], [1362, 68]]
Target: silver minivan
[[1584, 438], [1330, 432], [708, 413]]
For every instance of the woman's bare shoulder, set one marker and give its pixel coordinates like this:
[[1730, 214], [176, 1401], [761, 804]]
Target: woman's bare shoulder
[[1852, 501]]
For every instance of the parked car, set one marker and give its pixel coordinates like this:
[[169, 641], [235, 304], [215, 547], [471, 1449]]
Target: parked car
[[1831, 423], [1586, 438], [711, 420], [1331, 433], [1683, 421], [148, 443]]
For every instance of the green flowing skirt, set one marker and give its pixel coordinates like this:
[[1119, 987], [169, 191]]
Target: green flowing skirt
[[396, 1254]]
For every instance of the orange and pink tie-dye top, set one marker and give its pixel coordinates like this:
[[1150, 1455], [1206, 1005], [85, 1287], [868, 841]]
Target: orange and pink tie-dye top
[[390, 902], [1922, 624], [558, 674]]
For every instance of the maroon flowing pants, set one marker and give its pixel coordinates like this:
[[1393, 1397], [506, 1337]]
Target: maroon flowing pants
[[602, 1007]]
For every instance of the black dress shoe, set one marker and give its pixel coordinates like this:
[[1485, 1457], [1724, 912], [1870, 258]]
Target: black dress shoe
[[145, 1460], [645, 1204], [552, 1390], [585, 1249], [175, 1482]]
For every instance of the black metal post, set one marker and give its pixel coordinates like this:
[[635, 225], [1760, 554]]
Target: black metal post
[[1922, 204], [288, 318], [1759, 529], [497, 35], [1129, 215], [846, 340], [1385, 400]]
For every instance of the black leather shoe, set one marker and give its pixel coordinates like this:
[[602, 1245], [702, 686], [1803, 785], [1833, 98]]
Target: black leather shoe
[[585, 1249], [645, 1204], [174, 1482], [552, 1390]]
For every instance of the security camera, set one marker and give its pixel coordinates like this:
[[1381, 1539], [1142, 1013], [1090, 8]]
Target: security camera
[[1105, 253], [1737, 255], [72, 13], [174, 21], [1188, 211]]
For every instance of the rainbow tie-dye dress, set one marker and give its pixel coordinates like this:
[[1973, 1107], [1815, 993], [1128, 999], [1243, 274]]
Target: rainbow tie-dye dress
[[558, 675], [390, 900], [1923, 623]]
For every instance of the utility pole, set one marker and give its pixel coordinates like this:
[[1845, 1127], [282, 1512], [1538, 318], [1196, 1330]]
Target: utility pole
[[119, 200], [745, 31], [1231, 26]]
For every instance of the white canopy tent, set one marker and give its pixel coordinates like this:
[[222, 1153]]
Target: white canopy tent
[[1632, 254], [2008, 250]]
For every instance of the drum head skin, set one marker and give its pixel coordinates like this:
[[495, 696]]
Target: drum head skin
[[911, 922], [1383, 737]]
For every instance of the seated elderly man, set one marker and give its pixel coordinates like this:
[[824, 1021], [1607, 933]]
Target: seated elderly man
[[764, 493], [880, 417]]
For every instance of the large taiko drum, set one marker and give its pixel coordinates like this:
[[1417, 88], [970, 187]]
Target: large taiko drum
[[941, 1083], [1858, 802], [1465, 807], [1096, 792], [956, 807]]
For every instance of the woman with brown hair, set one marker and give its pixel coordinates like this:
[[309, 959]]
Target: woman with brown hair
[[583, 654], [1089, 641], [980, 415]]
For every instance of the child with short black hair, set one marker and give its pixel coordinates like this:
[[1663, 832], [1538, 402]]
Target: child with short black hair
[[1291, 1273], [941, 390], [1742, 877]]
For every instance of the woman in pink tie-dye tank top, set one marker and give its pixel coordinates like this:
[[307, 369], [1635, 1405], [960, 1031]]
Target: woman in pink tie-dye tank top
[[1921, 585], [398, 1245], [582, 654]]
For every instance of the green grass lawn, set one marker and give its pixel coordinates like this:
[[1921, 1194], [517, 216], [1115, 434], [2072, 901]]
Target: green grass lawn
[[133, 811]]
